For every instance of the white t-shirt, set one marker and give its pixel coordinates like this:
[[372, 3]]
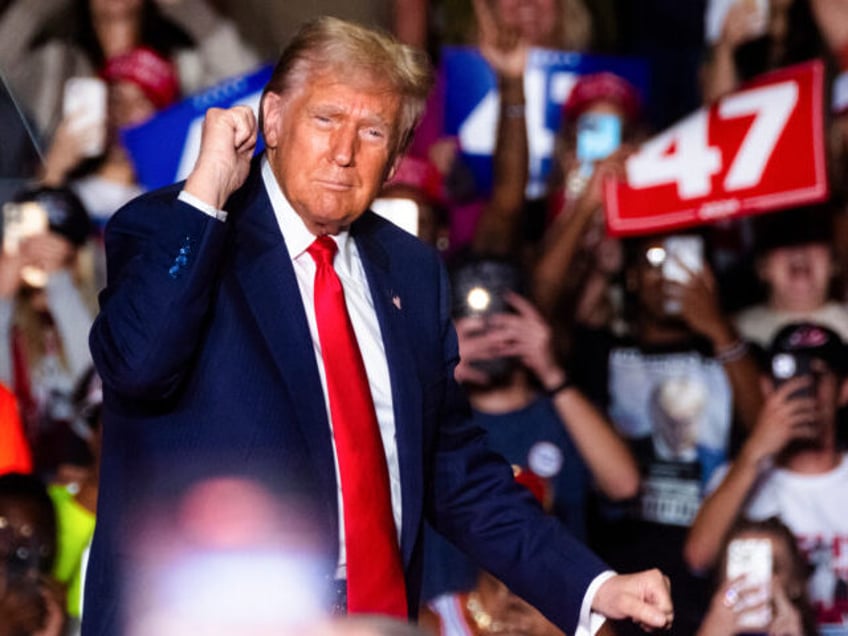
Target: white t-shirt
[[815, 507]]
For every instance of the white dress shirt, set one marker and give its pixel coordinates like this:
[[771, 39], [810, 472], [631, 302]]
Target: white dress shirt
[[360, 306]]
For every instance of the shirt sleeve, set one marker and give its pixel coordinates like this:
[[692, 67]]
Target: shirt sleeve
[[204, 207], [590, 622]]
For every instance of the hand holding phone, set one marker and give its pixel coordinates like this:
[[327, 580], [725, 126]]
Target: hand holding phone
[[750, 559], [754, 13], [684, 255], [84, 105], [21, 222], [785, 366], [598, 136]]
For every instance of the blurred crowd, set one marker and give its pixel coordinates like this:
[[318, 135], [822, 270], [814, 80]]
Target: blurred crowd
[[676, 399]]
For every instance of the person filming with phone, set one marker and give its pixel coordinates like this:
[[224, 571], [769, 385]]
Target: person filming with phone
[[675, 386], [791, 466], [761, 584]]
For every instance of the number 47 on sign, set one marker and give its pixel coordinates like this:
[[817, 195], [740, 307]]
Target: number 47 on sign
[[758, 149]]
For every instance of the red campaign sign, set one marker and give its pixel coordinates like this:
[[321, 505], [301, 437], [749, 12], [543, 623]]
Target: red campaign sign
[[758, 149]]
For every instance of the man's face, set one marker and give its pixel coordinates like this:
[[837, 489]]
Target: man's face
[[798, 276], [331, 143]]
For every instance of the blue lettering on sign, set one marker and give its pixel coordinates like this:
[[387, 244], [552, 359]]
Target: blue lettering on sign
[[472, 104]]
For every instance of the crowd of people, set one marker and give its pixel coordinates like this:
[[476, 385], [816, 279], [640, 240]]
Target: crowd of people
[[662, 418]]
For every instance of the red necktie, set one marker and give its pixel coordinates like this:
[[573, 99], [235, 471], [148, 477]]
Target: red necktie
[[375, 583]]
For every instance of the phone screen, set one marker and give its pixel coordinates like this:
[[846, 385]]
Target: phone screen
[[683, 253], [84, 100], [598, 136], [716, 15], [20, 221]]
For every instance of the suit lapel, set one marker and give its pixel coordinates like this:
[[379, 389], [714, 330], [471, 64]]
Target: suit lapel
[[264, 270], [406, 392]]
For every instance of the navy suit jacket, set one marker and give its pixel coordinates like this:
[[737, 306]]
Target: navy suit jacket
[[208, 369]]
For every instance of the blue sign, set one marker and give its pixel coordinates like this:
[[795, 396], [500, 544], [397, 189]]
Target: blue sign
[[164, 148], [472, 104]]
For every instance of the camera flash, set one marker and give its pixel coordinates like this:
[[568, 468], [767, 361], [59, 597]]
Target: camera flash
[[655, 256], [478, 299], [783, 366]]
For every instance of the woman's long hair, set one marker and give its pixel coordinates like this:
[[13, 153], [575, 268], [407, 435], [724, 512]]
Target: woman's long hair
[[76, 25]]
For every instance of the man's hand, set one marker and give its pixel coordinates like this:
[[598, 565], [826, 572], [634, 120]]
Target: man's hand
[[68, 149], [503, 47], [644, 597], [699, 305], [743, 22], [527, 336], [476, 342], [783, 418], [226, 148]]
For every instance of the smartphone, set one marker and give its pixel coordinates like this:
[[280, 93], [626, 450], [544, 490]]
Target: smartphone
[[84, 101], [684, 253], [402, 212], [717, 13], [598, 136], [752, 559], [785, 366], [480, 289], [20, 221]]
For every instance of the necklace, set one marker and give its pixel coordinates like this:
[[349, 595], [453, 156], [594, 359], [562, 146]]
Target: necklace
[[482, 619]]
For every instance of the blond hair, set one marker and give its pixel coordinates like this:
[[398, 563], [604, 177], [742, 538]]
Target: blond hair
[[331, 45]]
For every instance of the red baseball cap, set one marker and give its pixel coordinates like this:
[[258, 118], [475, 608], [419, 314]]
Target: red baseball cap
[[605, 86], [153, 74]]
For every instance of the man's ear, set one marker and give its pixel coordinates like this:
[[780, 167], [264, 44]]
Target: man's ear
[[272, 112], [393, 167]]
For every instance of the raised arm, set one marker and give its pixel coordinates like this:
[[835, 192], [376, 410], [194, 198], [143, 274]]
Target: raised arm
[[163, 260], [497, 230], [782, 419], [703, 314], [222, 51], [527, 336], [564, 239], [719, 73]]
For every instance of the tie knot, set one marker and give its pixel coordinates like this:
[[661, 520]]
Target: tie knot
[[323, 250]]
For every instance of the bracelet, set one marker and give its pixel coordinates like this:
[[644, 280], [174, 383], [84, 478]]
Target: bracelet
[[559, 388], [732, 352], [513, 111]]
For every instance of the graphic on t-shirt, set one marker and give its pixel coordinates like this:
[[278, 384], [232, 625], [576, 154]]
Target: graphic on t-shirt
[[676, 410], [828, 583]]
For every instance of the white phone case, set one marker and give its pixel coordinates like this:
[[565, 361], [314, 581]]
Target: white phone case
[[85, 102], [752, 558]]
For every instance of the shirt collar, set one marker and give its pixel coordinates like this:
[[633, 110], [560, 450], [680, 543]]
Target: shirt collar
[[295, 233]]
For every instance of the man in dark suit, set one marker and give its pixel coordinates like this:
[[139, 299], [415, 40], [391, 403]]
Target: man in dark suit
[[214, 359]]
